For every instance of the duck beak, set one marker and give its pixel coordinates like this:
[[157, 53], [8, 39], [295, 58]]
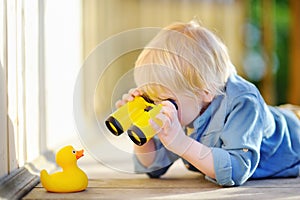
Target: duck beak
[[79, 154]]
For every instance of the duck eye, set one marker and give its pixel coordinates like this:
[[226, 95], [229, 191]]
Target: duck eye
[[74, 152]]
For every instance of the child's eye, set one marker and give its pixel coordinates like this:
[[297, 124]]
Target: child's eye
[[173, 102]]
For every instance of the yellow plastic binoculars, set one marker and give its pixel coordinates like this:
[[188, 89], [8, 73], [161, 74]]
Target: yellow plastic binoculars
[[134, 117]]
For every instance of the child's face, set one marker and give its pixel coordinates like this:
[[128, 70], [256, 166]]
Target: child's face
[[189, 107]]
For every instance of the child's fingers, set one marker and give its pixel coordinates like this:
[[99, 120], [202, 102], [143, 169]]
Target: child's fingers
[[124, 100], [135, 92], [132, 93], [119, 103], [127, 97], [154, 125], [169, 109], [169, 104], [166, 121]]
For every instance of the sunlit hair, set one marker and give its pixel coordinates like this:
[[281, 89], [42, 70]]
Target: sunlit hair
[[184, 57]]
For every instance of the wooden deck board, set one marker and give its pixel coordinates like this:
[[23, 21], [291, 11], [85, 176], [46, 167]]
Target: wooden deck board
[[175, 189], [178, 183]]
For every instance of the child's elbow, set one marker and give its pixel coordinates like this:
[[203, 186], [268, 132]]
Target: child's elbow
[[239, 182], [232, 182], [234, 178], [240, 178]]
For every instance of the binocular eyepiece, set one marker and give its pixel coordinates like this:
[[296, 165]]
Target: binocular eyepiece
[[134, 117]]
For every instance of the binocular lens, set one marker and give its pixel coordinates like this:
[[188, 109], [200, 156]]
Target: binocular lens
[[114, 126], [136, 135]]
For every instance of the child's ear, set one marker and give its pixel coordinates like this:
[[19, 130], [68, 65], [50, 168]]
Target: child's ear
[[207, 96]]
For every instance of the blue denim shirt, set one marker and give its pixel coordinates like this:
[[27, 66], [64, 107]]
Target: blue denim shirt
[[248, 139]]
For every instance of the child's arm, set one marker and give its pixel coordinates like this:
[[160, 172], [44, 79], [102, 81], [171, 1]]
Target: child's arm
[[174, 139], [145, 153], [200, 156]]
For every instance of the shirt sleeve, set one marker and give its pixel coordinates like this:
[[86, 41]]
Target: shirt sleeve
[[241, 138], [163, 160]]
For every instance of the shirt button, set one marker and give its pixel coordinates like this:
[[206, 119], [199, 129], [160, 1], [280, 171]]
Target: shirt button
[[245, 150]]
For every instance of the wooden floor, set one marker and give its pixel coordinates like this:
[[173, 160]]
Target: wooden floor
[[178, 183]]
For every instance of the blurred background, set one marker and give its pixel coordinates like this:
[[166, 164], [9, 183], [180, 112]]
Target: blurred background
[[261, 36], [44, 45]]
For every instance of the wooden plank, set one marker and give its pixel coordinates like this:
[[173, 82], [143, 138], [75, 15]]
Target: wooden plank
[[163, 183], [177, 183], [22, 180], [3, 91], [113, 193], [42, 78], [30, 64], [185, 193], [197, 181], [274, 183], [17, 184], [62, 61], [176, 189], [12, 84]]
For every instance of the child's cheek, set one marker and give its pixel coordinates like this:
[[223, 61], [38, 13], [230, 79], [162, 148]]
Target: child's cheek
[[179, 115]]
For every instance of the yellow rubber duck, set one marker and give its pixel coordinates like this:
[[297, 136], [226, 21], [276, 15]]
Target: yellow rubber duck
[[71, 179]]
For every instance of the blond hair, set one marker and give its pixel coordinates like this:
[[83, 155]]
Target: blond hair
[[184, 57]]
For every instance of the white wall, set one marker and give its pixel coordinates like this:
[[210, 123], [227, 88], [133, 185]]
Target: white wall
[[62, 62], [40, 56]]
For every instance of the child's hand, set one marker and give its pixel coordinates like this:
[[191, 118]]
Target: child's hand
[[128, 97], [171, 133]]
